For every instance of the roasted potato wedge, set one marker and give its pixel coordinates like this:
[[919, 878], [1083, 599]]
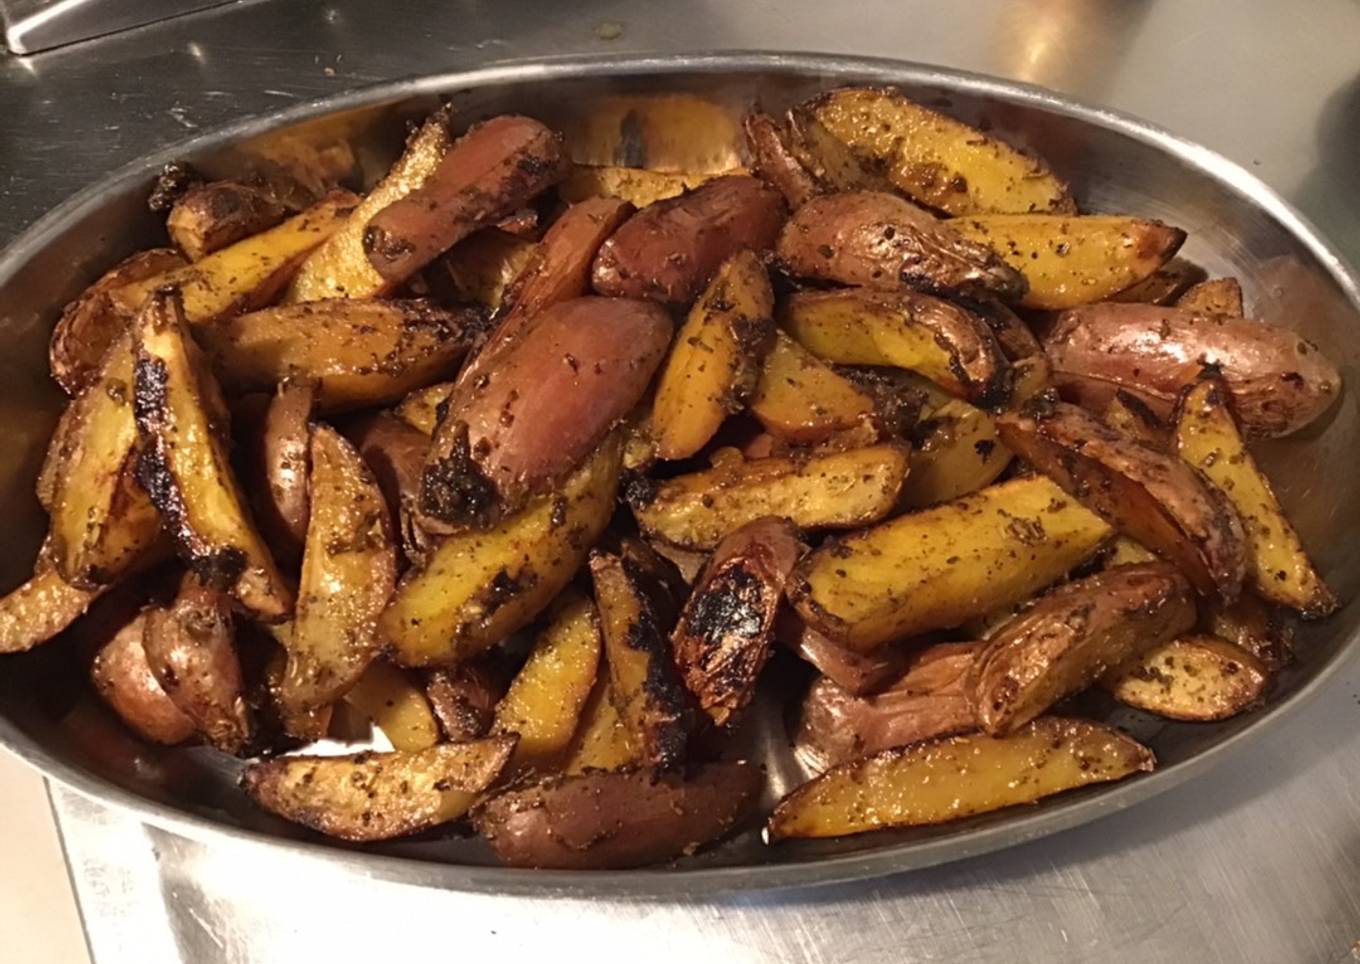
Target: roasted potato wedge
[[1279, 381], [931, 699], [630, 818], [378, 796], [481, 268], [881, 241], [858, 326], [856, 673], [489, 172], [716, 361], [250, 273], [935, 568], [122, 676], [209, 217], [396, 705], [1124, 551], [1074, 260], [544, 702], [636, 185], [360, 352], [670, 250], [1221, 296], [643, 681], [478, 587], [1164, 285], [957, 451], [1073, 636], [548, 402], [349, 570], [834, 490], [395, 453], [283, 466], [1131, 416], [420, 409], [91, 324], [1194, 678], [184, 466], [464, 698], [800, 399], [1157, 499], [41, 608], [601, 742], [723, 637], [768, 143], [958, 776], [302, 725], [191, 649], [861, 137], [1277, 565], [102, 522], [339, 268], [1260, 629]]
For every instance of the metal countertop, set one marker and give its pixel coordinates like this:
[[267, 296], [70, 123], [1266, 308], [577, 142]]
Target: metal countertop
[[1256, 862]]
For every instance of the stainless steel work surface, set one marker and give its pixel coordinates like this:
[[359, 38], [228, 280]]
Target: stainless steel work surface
[[1252, 863]]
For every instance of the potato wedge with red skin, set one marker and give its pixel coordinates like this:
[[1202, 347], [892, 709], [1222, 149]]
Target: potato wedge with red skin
[[551, 397], [395, 452], [931, 699], [479, 269], [184, 466], [378, 796], [122, 676], [464, 698], [942, 780], [1165, 285], [800, 399], [767, 142], [627, 818], [1194, 678], [558, 270], [715, 362], [208, 217], [360, 351], [349, 570], [881, 241], [1265, 631], [279, 490], [488, 173], [1155, 498], [1129, 414], [1220, 296], [1279, 381], [191, 649], [90, 325], [669, 250], [904, 329], [1073, 636], [855, 673], [724, 634]]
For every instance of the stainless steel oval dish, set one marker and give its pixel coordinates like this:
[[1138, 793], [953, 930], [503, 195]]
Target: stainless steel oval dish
[[1237, 226]]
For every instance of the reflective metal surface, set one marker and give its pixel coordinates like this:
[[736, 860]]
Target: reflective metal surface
[[1252, 863], [34, 25]]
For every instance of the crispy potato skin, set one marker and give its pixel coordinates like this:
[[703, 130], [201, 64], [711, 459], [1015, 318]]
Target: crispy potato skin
[[1279, 381], [945, 343], [548, 402], [880, 241], [1194, 678], [1221, 296], [41, 608], [184, 467], [835, 490], [723, 637], [1260, 629], [1277, 565], [478, 587], [855, 673], [1157, 499], [1068, 260], [643, 680], [464, 698], [279, 493], [630, 818], [92, 323], [395, 453], [208, 217], [931, 699], [361, 352], [191, 649], [480, 269], [715, 363], [1164, 285], [349, 570], [955, 777], [1130, 415], [936, 568], [669, 250], [123, 677], [774, 161], [1072, 636], [871, 136], [489, 172], [378, 796], [801, 400]]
